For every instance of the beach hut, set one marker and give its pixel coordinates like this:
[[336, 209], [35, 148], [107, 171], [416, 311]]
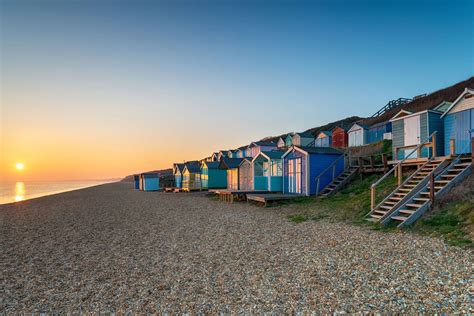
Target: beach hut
[[268, 171], [339, 137], [150, 181], [232, 167], [136, 181], [410, 129], [178, 174], [192, 176], [289, 140], [323, 139], [212, 177], [281, 142], [301, 166], [459, 123], [302, 139], [378, 132], [357, 135], [246, 175], [215, 157], [256, 147]]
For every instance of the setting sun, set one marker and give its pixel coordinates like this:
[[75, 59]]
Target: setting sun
[[19, 166]]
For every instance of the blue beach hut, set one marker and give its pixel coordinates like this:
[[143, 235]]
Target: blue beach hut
[[136, 181], [268, 171], [150, 181], [301, 166], [376, 132], [212, 177], [178, 174], [459, 123], [324, 139]]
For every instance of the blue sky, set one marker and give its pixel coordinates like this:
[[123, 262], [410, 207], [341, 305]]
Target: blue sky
[[195, 77]]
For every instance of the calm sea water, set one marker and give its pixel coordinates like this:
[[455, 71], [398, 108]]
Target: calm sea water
[[19, 191]]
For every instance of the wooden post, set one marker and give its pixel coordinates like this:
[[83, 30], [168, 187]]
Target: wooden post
[[385, 163], [399, 176], [361, 163], [396, 153], [418, 151], [432, 189], [452, 147], [372, 197], [372, 162], [333, 172], [433, 146]]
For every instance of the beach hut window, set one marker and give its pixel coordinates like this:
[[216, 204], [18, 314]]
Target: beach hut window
[[258, 169], [266, 169], [277, 168], [294, 176]]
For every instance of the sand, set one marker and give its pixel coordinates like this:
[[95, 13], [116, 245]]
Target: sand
[[111, 248]]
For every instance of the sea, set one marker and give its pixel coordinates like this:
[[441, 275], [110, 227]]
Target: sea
[[20, 191]]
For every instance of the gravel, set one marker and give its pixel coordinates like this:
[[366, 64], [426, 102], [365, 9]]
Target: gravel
[[110, 248]]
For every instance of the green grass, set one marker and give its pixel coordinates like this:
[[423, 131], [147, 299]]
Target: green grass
[[353, 203]]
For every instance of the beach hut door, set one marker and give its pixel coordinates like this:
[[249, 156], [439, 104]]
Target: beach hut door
[[294, 176], [412, 134]]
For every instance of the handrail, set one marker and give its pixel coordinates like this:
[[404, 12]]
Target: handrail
[[333, 166], [396, 167]]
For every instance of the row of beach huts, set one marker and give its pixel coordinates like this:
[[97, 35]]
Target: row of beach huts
[[425, 129]]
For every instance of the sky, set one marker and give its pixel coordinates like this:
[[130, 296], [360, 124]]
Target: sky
[[103, 89]]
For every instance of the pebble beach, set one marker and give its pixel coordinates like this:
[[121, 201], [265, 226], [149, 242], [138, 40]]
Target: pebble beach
[[110, 248]]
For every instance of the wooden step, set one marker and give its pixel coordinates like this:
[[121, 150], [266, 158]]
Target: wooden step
[[448, 176], [414, 205], [382, 212], [407, 211], [386, 207], [399, 218], [406, 190], [438, 188], [376, 216], [464, 164], [391, 203], [442, 181], [394, 198], [455, 170], [421, 199]]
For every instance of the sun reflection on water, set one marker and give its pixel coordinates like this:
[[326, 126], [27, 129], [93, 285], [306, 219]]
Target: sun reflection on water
[[20, 191]]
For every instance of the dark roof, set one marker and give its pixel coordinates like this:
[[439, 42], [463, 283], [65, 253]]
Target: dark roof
[[247, 159], [180, 166], [427, 102], [327, 133], [230, 163], [193, 166], [305, 134], [212, 164], [321, 150], [263, 143], [274, 154]]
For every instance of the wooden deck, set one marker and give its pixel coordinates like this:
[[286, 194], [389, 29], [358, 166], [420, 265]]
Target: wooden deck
[[235, 195], [271, 197]]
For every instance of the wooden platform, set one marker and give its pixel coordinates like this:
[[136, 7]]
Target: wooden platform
[[272, 197], [170, 189], [237, 195]]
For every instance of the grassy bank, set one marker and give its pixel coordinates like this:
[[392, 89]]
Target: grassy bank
[[451, 219]]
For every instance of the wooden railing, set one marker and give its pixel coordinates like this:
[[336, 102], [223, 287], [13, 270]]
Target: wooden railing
[[332, 167], [375, 163], [430, 144], [398, 169]]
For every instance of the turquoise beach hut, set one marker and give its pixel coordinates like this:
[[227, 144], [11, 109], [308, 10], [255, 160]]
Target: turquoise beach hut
[[150, 181], [268, 171], [459, 123], [212, 177]]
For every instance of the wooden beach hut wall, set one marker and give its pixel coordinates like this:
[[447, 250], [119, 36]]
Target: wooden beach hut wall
[[257, 147], [192, 176], [459, 123], [268, 171], [150, 181], [231, 165], [357, 135], [410, 129], [136, 181], [339, 137], [246, 175], [379, 132], [301, 166], [178, 174], [302, 139], [323, 139], [212, 177]]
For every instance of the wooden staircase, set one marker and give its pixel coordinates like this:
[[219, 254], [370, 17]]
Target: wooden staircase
[[339, 182], [414, 207], [406, 190]]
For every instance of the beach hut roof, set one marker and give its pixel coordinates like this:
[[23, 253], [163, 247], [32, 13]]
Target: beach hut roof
[[314, 150], [212, 164], [427, 102], [245, 160], [327, 133], [305, 135], [179, 167], [356, 125], [272, 154], [459, 98], [262, 143], [193, 166], [230, 163]]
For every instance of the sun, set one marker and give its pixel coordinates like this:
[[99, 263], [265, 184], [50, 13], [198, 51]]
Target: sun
[[19, 166]]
